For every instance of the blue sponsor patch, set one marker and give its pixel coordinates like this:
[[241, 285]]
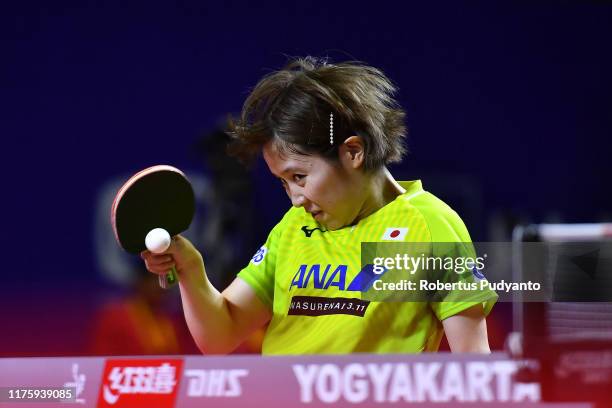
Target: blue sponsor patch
[[259, 255], [477, 273]]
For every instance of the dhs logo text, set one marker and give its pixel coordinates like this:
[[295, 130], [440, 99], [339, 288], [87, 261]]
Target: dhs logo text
[[215, 383]]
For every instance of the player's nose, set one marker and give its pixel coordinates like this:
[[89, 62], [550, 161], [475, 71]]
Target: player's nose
[[297, 197]]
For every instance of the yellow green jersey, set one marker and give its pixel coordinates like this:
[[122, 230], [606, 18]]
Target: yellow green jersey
[[312, 279]]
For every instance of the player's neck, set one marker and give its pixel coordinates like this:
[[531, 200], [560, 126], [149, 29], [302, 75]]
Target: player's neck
[[380, 190]]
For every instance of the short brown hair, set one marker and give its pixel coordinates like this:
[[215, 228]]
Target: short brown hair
[[292, 106]]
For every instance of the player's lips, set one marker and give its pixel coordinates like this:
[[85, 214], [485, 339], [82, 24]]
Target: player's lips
[[316, 214]]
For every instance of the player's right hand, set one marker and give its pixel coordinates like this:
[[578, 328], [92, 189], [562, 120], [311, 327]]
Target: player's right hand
[[181, 255]]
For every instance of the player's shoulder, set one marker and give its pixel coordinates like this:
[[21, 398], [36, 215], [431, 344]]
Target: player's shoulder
[[442, 222]]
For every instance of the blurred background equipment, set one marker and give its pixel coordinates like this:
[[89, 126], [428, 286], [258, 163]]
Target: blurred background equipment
[[137, 323], [571, 334]]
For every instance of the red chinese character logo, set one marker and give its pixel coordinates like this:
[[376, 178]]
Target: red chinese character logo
[[140, 383]]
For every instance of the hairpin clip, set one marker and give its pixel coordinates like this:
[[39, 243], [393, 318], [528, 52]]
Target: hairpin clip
[[331, 128]]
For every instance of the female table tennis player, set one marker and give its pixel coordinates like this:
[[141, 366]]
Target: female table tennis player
[[327, 132]]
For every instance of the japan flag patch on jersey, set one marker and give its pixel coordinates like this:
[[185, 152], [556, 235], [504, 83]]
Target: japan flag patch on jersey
[[394, 234]]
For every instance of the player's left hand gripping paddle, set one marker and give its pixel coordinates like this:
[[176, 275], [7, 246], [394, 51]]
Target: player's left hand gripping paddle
[[154, 205]]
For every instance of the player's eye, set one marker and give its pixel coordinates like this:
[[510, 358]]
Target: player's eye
[[298, 177]]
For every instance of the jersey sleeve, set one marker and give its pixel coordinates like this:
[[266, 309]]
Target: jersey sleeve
[[451, 302], [260, 271], [450, 238]]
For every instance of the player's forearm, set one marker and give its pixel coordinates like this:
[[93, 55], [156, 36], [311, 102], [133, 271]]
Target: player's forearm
[[208, 316]]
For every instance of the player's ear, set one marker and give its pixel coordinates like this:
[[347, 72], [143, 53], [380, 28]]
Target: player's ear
[[352, 152]]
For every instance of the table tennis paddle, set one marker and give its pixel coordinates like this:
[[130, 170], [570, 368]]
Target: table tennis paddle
[[156, 197]]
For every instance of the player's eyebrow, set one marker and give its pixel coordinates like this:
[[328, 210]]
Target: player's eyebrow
[[291, 169]]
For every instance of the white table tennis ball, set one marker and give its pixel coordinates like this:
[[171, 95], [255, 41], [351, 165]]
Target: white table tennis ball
[[157, 240]]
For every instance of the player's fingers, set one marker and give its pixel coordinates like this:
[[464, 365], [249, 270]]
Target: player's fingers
[[160, 268], [178, 245], [159, 259], [152, 258], [185, 255]]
